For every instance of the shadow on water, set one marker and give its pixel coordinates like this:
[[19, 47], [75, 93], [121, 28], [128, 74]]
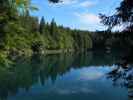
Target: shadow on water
[[27, 72]]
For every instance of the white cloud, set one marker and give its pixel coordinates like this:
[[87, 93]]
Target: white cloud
[[75, 3], [88, 21], [65, 2], [69, 91], [89, 75], [87, 4], [88, 18], [68, 2]]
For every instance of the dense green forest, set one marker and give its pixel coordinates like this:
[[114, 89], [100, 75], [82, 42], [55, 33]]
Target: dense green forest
[[23, 34]]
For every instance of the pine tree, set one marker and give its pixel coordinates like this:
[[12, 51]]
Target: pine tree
[[42, 25], [53, 28]]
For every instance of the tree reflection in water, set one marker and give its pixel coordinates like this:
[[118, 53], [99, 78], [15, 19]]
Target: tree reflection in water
[[122, 76], [27, 72]]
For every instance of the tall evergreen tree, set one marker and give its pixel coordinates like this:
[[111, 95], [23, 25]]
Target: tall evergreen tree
[[53, 27], [42, 25]]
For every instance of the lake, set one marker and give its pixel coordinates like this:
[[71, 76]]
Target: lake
[[70, 76]]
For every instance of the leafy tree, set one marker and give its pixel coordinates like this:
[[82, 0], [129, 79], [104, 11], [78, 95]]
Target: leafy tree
[[55, 1], [23, 6], [123, 15]]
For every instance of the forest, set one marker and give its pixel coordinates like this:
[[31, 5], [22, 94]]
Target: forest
[[45, 60], [23, 34]]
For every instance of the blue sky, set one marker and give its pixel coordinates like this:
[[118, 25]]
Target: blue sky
[[76, 14]]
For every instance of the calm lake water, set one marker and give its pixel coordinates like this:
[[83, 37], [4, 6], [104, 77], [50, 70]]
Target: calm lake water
[[62, 77]]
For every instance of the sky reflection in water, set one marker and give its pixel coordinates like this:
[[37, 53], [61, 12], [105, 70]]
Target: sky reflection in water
[[66, 77]]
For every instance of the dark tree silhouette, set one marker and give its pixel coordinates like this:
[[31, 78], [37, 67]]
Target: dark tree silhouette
[[123, 15], [55, 1]]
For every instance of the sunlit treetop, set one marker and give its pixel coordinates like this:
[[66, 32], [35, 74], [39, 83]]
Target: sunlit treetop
[[26, 5]]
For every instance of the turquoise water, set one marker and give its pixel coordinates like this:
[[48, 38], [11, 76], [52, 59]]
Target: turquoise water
[[62, 77]]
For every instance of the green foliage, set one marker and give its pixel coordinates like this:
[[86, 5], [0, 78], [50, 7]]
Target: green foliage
[[4, 61], [22, 34]]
